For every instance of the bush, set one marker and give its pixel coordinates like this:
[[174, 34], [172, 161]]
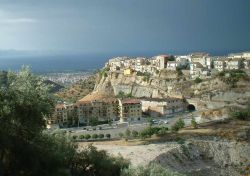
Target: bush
[[232, 77], [135, 133], [74, 137], [163, 131], [242, 115], [94, 136], [87, 136], [82, 136], [101, 136], [121, 135], [108, 136], [198, 80], [178, 125], [127, 133], [194, 123], [150, 170], [25, 100], [91, 161]]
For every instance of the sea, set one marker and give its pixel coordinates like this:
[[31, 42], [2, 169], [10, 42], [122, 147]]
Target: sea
[[59, 63], [54, 63]]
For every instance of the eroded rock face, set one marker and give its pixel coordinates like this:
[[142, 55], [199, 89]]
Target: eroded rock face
[[208, 158], [211, 94]]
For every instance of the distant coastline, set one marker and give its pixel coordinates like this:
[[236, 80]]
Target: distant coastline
[[71, 63], [53, 64]]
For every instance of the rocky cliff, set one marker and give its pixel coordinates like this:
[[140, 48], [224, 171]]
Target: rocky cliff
[[207, 158], [213, 93]]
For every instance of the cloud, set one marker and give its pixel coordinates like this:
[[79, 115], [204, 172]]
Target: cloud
[[17, 20]]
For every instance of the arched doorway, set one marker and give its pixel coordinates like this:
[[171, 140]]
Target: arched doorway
[[191, 107]]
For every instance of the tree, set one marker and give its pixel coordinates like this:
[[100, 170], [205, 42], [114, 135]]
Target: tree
[[27, 149], [25, 104], [93, 121], [121, 94], [91, 162], [171, 58]]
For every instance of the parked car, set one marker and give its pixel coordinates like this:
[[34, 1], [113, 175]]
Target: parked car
[[154, 121], [163, 122]]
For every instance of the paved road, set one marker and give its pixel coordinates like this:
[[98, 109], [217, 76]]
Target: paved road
[[114, 130]]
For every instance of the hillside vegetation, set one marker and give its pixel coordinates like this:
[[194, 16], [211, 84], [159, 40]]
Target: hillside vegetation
[[27, 149], [78, 90]]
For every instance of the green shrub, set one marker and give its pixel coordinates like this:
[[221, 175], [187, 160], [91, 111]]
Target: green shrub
[[198, 80], [163, 131], [127, 133], [121, 135], [94, 136], [74, 137], [232, 77], [178, 125], [150, 170], [101, 136], [91, 161], [135, 133], [87, 136], [108, 136], [242, 115], [82, 136], [194, 123]]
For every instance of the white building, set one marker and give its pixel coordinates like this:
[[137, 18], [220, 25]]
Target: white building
[[234, 64], [246, 64], [246, 55], [172, 65], [182, 60], [220, 64], [202, 58], [161, 61], [195, 69], [157, 107]]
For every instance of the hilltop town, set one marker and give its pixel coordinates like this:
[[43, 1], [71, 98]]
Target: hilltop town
[[188, 113], [129, 89]]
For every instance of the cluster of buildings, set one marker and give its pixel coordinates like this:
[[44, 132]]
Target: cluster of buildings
[[129, 110], [199, 64], [66, 78], [113, 109], [105, 110]]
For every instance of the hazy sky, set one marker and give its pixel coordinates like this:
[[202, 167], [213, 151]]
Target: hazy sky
[[125, 26]]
